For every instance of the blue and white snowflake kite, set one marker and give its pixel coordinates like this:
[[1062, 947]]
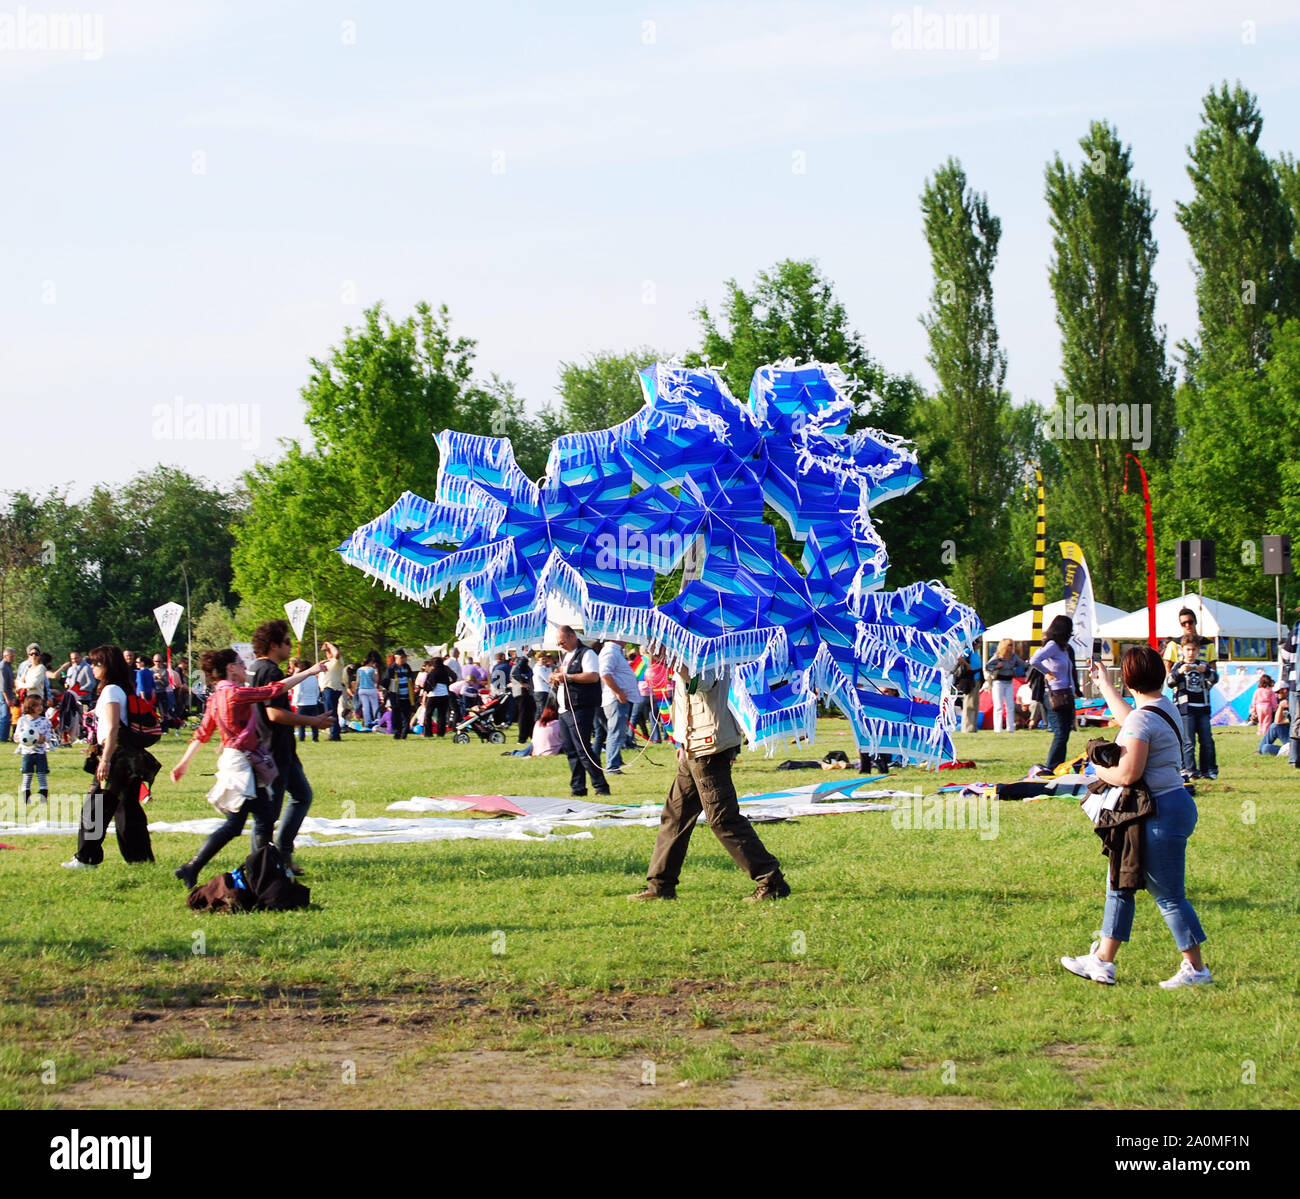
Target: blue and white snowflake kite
[[691, 472]]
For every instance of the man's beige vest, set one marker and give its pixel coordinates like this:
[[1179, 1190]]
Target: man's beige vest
[[702, 723]]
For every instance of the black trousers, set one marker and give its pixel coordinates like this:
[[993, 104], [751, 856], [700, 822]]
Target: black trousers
[[128, 818], [527, 716], [439, 707], [576, 729], [400, 707]]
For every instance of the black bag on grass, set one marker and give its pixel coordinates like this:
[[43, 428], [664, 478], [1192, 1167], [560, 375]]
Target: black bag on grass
[[262, 884], [268, 881]]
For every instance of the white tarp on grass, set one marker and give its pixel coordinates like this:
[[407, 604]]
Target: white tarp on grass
[[549, 818]]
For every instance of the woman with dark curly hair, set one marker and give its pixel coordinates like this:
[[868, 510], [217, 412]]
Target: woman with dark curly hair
[[1056, 661], [119, 770]]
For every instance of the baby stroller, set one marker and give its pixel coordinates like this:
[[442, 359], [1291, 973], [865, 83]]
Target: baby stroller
[[481, 720]]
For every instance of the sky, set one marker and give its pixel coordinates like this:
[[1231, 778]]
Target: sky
[[201, 197]]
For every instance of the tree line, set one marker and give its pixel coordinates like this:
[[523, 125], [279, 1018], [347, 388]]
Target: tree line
[[1215, 422]]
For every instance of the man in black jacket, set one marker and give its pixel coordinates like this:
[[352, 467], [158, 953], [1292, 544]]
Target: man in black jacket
[[575, 694], [399, 682], [521, 678], [273, 644]]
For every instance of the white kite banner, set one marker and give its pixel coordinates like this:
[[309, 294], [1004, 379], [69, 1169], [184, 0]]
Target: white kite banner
[[1079, 606], [297, 611], [168, 617]]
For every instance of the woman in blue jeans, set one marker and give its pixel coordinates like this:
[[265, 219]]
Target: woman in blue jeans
[[1056, 661], [1152, 750]]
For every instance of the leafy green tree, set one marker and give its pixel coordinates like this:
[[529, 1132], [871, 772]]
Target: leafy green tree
[[214, 629], [374, 405], [604, 390], [1241, 230], [22, 530], [1237, 406], [1116, 395], [1236, 477], [792, 312], [967, 358], [117, 555]]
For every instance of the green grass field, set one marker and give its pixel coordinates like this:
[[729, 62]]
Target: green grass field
[[909, 967]]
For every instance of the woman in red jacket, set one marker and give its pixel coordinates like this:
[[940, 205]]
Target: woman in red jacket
[[238, 790]]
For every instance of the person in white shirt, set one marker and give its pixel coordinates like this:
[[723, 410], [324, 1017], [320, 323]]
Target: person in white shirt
[[33, 678], [575, 684], [116, 795], [306, 700], [35, 738], [617, 694]]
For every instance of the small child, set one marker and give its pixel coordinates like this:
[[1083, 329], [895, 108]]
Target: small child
[[1191, 680], [306, 699], [35, 735]]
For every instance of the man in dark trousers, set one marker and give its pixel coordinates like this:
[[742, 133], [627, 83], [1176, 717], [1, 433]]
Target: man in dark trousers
[[521, 679], [276, 720], [575, 695], [708, 738], [9, 698], [399, 682]]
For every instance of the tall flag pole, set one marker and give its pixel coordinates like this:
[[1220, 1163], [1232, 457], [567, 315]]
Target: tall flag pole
[[1151, 550], [1040, 552]]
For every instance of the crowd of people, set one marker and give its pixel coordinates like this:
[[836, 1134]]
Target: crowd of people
[[581, 702], [398, 698], [585, 702], [1023, 701]]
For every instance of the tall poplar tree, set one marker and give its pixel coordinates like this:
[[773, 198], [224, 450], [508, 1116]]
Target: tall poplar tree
[[1116, 393], [1241, 228], [1240, 433], [973, 410], [792, 311]]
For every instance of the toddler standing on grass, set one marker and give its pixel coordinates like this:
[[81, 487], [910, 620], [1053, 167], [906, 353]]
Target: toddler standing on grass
[[34, 727]]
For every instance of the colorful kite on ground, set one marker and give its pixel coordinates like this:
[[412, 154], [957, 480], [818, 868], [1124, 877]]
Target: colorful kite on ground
[[686, 480]]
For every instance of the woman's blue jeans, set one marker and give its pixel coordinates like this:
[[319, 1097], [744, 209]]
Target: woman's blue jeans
[[1060, 721], [1164, 852]]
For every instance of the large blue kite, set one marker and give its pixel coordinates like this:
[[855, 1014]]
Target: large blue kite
[[684, 482]]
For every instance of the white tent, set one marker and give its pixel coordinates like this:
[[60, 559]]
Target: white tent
[[1021, 626], [1214, 618]]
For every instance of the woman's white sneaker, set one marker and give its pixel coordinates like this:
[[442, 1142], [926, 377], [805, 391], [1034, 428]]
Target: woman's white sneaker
[[1188, 976], [78, 864], [1091, 966]]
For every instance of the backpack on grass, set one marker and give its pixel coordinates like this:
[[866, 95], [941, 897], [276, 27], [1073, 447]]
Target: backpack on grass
[[262, 884]]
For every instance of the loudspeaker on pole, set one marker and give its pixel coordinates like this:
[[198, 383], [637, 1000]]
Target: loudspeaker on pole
[[1277, 555]]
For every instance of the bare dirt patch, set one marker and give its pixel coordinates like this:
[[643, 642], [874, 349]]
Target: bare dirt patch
[[447, 1048]]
